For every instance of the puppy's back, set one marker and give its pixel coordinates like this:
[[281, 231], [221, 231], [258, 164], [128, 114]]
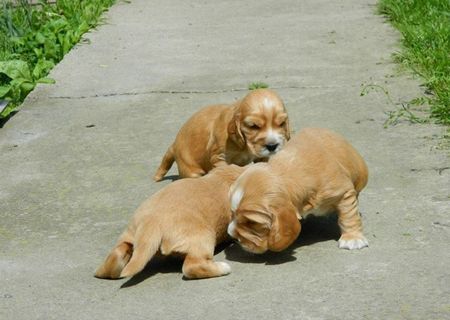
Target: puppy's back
[[322, 149], [192, 140]]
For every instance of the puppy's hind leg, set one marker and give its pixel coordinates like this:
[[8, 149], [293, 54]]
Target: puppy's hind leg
[[199, 264], [116, 260], [350, 223], [165, 165], [146, 245], [186, 171]]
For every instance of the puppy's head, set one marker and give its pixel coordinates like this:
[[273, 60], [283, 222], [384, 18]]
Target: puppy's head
[[260, 123], [263, 218]]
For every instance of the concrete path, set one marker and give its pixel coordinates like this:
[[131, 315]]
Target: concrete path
[[78, 158]]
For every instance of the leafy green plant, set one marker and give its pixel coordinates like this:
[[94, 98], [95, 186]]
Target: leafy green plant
[[33, 39], [257, 85], [21, 80], [425, 26]]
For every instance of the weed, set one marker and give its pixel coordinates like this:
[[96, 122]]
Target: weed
[[257, 85], [403, 110]]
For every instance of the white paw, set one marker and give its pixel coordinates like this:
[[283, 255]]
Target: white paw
[[224, 267], [353, 243]]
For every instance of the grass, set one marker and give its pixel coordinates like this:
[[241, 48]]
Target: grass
[[425, 26], [34, 38]]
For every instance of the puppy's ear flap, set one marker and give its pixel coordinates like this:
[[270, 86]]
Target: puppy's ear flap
[[234, 131], [288, 129], [285, 228]]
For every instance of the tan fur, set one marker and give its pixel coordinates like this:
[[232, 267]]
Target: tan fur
[[189, 217], [317, 172], [228, 134]]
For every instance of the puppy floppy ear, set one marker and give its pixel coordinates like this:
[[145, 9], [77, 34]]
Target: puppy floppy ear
[[252, 229], [285, 228], [234, 131], [288, 129]]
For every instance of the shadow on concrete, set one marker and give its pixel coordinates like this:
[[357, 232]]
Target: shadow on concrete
[[314, 229], [172, 178], [158, 264], [169, 264], [318, 229], [4, 120]]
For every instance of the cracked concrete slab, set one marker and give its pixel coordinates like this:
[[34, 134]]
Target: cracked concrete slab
[[79, 156]]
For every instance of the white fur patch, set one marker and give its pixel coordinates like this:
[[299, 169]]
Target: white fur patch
[[268, 104], [231, 228], [224, 267], [274, 138], [353, 243], [236, 198], [271, 139]]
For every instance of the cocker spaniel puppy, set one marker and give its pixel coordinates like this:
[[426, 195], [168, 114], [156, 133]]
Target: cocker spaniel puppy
[[251, 129], [189, 217], [317, 172]]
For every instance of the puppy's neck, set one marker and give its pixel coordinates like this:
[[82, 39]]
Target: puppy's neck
[[290, 188]]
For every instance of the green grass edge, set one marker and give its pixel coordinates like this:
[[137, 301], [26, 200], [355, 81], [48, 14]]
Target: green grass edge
[[425, 29]]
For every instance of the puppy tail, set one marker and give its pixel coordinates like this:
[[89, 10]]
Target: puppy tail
[[165, 165], [145, 247], [116, 261]]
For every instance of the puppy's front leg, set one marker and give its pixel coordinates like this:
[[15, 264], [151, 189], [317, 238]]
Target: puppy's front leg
[[186, 171], [218, 160], [350, 223]]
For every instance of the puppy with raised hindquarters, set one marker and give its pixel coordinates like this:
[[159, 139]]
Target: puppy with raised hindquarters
[[253, 128], [189, 217], [317, 172]]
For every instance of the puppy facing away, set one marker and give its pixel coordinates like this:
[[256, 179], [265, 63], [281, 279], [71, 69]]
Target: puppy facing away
[[253, 128], [189, 217], [317, 172]]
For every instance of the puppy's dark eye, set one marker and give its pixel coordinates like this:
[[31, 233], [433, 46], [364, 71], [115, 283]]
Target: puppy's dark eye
[[253, 126], [283, 124]]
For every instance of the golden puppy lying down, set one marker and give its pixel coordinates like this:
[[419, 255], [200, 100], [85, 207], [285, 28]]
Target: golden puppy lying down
[[188, 217], [253, 128], [317, 172]]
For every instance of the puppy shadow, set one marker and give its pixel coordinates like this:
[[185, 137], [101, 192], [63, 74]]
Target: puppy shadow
[[314, 230], [172, 178], [158, 264], [165, 264], [318, 229], [236, 253]]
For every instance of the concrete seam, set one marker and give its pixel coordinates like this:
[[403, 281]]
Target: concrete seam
[[192, 91]]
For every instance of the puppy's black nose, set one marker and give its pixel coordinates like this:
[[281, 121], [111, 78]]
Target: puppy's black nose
[[271, 147]]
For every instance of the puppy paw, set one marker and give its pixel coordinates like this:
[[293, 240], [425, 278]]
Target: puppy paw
[[351, 244], [224, 267]]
